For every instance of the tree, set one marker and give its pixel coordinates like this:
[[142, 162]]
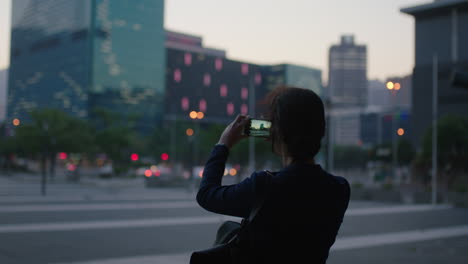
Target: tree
[[406, 152], [452, 147], [350, 157], [51, 131], [116, 137]]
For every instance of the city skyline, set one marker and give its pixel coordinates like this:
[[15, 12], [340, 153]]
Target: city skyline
[[271, 41]]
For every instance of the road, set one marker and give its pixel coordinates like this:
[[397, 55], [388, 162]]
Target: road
[[92, 225]]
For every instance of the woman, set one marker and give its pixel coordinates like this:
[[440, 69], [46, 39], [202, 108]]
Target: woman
[[303, 211]]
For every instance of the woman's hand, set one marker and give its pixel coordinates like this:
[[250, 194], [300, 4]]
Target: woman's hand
[[233, 132]]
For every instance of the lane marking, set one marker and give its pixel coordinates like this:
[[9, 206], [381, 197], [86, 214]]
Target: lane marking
[[99, 207], [399, 237], [88, 225], [396, 209], [345, 243], [178, 258], [85, 197], [166, 221], [193, 204]]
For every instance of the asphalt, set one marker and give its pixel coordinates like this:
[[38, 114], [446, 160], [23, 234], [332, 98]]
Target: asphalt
[[122, 222]]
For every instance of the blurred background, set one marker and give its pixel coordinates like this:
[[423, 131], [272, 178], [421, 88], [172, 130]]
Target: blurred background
[[109, 109]]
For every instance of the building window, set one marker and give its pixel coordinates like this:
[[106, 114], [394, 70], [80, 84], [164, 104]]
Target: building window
[[245, 69], [45, 44], [223, 90], [258, 78], [244, 93], [177, 75], [188, 59], [16, 53], [244, 109], [101, 33], [230, 109], [185, 104], [79, 34], [218, 64], [207, 79], [202, 105]]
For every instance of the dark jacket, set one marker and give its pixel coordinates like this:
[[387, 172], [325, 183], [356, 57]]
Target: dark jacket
[[300, 218]]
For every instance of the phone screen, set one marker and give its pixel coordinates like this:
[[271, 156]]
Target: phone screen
[[259, 128]]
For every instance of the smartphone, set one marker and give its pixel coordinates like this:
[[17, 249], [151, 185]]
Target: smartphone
[[257, 128]]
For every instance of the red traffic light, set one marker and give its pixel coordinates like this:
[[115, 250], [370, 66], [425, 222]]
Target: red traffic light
[[134, 157], [62, 155], [164, 156]]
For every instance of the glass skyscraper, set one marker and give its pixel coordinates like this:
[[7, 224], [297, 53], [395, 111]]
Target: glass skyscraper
[[80, 55]]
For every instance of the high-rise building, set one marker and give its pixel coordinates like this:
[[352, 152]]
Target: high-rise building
[[79, 55], [3, 93], [441, 31], [203, 79], [378, 95], [190, 43], [293, 75], [216, 86], [347, 75]]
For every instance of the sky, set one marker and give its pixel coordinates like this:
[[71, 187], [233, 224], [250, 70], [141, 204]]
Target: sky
[[294, 31]]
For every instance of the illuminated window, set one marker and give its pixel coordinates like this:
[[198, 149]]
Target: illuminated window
[[185, 103], [218, 64], [258, 78], [188, 59], [202, 105], [223, 90], [245, 69], [244, 93], [207, 79], [244, 109], [177, 75], [230, 108]]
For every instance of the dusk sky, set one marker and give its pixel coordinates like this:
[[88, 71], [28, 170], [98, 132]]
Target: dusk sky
[[295, 31]]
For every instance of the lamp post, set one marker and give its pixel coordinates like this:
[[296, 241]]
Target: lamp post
[[434, 126], [193, 134], [394, 88]]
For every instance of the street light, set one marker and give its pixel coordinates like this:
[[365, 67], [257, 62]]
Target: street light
[[390, 85], [400, 132], [193, 115], [16, 122]]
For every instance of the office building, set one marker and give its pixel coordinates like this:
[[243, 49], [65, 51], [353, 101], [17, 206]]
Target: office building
[[377, 127], [293, 75], [3, 93], [203, 79], [217, 86], [347, 74], [378, 95], [190, 43], [442, 31], [79, 55]]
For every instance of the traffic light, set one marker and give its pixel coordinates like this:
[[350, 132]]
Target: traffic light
[[134, 157]]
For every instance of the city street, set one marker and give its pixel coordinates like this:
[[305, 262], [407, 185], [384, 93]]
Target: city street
[[97, 224]]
